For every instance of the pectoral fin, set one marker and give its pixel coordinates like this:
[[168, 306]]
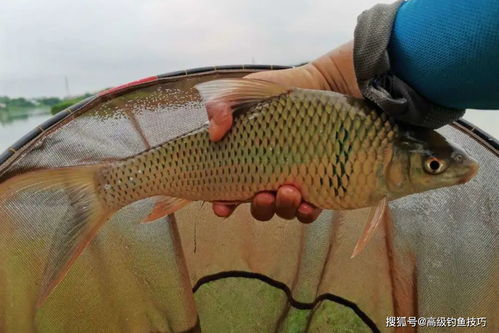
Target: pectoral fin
[[165, 206], [375, 216]]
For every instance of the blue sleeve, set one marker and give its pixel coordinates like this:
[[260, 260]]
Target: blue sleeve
[[448, 50]]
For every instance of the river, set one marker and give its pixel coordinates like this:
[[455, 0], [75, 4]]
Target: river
[[13, 125]]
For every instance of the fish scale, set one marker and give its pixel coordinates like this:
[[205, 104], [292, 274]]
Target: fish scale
[[284, 140]]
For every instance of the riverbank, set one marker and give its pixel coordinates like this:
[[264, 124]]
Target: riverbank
[[67, 103], [20, 107]]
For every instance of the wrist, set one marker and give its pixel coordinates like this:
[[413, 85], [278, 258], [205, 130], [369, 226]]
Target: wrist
[[338, 71]]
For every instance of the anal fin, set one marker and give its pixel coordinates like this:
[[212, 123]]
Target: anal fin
[[165, 206], [375, 216]]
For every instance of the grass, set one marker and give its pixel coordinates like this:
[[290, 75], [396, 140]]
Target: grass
[[67, 103]]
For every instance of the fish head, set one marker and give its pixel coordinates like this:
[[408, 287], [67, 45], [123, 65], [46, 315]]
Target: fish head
[[424, 160]]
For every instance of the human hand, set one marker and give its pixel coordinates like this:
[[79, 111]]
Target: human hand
[[333, 71]]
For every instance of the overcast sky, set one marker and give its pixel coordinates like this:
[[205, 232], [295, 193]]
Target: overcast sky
[[98, 44]]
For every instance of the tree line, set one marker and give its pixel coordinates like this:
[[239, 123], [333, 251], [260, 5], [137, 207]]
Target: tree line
[[55, 104]]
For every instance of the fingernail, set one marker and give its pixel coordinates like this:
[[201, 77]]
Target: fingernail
[[289, 200], [305, 209]]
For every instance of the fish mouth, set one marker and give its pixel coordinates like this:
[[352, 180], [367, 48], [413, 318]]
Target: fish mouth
[[473, 170]]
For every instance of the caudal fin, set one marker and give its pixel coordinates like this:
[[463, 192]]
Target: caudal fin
[[75, 233]]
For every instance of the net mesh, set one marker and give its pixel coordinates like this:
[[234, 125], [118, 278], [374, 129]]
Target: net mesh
[[436, 253]]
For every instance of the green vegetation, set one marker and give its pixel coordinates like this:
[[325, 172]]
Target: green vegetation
[[49, 101], [23, 105], [12, 103], [20, 103], [65, 103]]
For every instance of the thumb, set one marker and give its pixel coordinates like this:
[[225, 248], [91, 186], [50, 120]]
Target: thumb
[[220, 116]]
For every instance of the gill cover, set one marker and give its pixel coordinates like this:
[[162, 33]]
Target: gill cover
[[425, 160]]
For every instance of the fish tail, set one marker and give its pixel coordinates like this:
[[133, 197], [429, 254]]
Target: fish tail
[[81, 224]]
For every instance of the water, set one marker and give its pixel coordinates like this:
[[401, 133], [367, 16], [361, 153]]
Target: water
[[13, 125]]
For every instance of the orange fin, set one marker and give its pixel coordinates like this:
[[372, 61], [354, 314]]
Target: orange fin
[[375, 216], [80, 225], [164, 207], [240, 91]]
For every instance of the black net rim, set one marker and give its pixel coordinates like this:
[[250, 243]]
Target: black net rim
[[465, 126]]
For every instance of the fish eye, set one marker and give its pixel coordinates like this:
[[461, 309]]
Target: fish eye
[[434, 166]]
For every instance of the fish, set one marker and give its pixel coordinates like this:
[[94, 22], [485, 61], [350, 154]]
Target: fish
[[340, 152]]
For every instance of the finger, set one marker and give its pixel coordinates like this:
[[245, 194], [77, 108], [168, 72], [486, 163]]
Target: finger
[[263, 206], [307, 213], [223, 210], [220, 116], [288, 200]]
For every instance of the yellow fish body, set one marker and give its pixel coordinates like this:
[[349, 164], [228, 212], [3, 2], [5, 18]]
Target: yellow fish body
[[333, 148], [340, 152]]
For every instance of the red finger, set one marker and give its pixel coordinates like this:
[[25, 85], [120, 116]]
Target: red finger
[[287, 201], [307, 213], [263, 206], [223, 210], [220, 116]]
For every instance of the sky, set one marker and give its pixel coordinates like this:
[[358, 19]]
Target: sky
[[98, 44]]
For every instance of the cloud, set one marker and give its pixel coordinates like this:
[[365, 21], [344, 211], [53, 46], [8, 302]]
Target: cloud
[[98, 44]]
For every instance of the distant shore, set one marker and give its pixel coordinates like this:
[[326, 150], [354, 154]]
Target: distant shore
[[20, 107]]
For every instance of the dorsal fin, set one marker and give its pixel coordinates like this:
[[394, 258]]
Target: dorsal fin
[[240, 91]]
